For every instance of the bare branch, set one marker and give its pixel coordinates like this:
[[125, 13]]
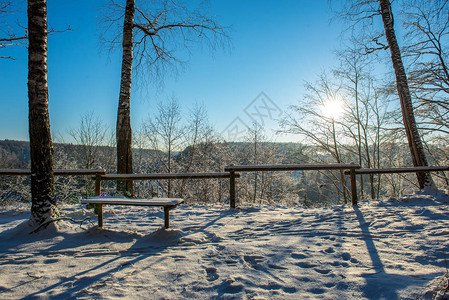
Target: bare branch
[[427, 35], [164, 33]]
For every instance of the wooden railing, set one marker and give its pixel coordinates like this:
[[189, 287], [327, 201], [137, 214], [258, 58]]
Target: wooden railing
[[400, 170], [232, 169], [159, 176], [231, 172], [99, 175], [391, 171], [56, 172]]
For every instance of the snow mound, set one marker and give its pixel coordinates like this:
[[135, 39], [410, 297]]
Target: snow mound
[[438, 288]]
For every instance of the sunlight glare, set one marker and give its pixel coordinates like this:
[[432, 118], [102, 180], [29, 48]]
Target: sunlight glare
[[333, 108]]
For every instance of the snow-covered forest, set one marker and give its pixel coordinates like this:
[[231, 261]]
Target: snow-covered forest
[[304, 188]]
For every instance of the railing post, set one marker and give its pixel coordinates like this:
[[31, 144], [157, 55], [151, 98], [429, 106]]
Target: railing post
[[232, 188], [97, 185], [98, 207], [353, 186]]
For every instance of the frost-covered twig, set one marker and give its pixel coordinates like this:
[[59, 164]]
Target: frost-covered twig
[[33, 276]]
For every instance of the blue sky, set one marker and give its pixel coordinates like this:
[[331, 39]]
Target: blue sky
[[276, 47]]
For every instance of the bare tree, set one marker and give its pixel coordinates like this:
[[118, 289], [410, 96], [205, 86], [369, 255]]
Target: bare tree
[[427, 24], [351, 70], [199, 155], [153, 32], [123, 130], [44, 206], [256, 136], [318, 128], [140, 144], [363, 15], [356, 133], [8, 34], [408, 116], [366, 110], [89, 136], [166, 133], [198, 134]]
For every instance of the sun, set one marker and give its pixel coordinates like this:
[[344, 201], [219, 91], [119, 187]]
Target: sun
[[333, 108]]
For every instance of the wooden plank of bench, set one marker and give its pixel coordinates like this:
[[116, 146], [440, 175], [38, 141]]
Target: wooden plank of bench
[[98, 202]]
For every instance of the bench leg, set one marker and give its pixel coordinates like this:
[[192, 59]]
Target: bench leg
[[99, 212], [166, 217], [100, 217]]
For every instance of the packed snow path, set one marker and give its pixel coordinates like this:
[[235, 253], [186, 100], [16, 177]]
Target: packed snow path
[[379, 250]]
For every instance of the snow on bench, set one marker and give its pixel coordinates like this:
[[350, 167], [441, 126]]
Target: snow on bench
[[98, 202]]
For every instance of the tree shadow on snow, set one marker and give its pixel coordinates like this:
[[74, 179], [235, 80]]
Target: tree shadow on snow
[[381, 284], [116, 251]]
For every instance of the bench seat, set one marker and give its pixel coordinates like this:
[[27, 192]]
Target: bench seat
[[98, 202]]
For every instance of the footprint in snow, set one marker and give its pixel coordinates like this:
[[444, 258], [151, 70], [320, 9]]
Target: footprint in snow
[[317, 291], [231, 261], [272, 286], [306, 265], [329, 250], [346, 256], [178, 257], [211, 274], [354, 260], [290, 290], [339, 264], [322, 271], [298, 255], [254, 260], [273, 266]]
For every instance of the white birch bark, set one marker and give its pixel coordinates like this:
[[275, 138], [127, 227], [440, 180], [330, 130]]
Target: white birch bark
[[124, 132], [411, 130], [43, 207]]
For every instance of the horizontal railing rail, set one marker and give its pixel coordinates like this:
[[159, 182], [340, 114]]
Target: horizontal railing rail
[[56, 172], [363, 171], [289, 167], [156, 176], [400, 170], [232, 169], [96, 173]]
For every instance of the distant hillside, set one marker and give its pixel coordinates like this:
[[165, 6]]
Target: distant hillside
[[291, 152], [20, 150], [16, 154]]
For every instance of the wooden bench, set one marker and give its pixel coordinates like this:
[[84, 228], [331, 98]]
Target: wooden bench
[[98, 202]]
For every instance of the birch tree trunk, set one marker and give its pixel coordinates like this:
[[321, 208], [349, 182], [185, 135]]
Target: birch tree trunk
[[124, 132], [414, 140], [43, 206]]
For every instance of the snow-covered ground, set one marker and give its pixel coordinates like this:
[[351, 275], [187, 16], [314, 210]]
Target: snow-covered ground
[[380, 250]]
